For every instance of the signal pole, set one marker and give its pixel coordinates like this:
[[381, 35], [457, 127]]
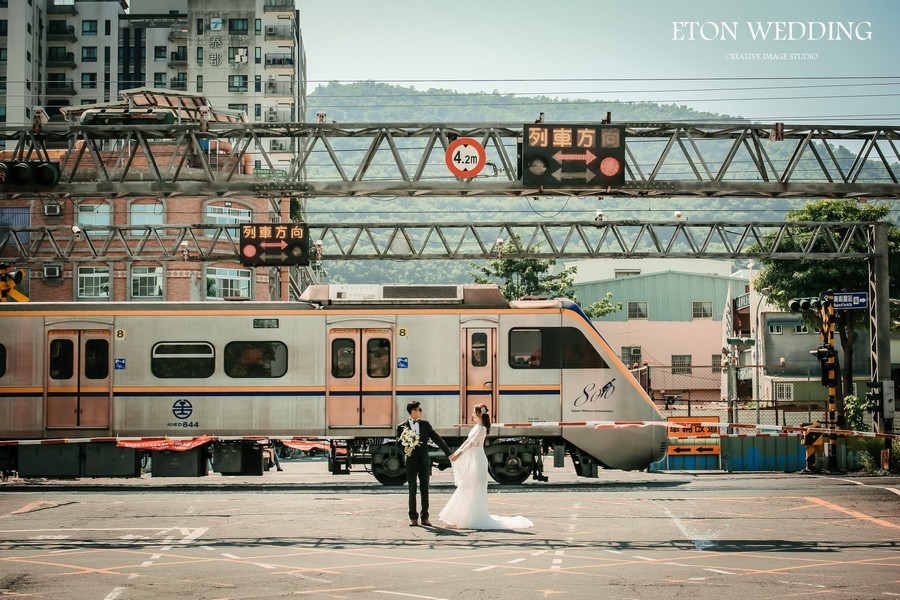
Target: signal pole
[[829, 375]]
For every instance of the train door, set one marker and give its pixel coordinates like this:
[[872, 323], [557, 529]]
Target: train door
[[360, 390], [480, 371], [78, 378]]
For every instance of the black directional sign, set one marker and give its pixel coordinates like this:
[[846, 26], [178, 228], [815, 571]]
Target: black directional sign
[[274, 244], [558, 155]]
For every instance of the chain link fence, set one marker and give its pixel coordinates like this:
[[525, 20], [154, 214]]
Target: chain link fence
[[698, 391]]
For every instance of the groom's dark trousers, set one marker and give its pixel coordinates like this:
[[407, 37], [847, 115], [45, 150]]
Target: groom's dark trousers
[[418, 467]]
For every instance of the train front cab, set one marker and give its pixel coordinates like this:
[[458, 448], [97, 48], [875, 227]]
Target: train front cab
[[557, 367]]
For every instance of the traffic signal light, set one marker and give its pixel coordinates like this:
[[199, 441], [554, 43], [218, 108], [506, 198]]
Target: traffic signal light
[[22, 173], [829, 369], [805, 304], [875, 396]]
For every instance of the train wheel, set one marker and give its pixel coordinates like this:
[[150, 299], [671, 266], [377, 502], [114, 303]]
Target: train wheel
[[509, 464], [387, 465]]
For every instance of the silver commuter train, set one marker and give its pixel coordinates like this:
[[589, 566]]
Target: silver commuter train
[[340, 366]]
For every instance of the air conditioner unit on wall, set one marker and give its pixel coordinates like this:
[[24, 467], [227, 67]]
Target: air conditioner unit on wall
[[276, 145], [53, 209], [635, 351], [271, 30], [52, 271], [272, 117]]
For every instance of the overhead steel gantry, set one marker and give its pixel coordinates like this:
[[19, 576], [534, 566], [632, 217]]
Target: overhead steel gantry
[[407, 159], [417, 241]]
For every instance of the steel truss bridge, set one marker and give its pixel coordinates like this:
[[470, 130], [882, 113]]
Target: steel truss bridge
[[407, 159], [417, 241]]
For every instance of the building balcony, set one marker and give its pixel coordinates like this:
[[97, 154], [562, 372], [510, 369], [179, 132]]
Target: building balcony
[[62, 63], [279, 33], [179, 31], [274, 87], [276, 115], [66, 34], [276, 6], [280, 61], [65, 9], [61, 88], [177, 59], [281, 146]]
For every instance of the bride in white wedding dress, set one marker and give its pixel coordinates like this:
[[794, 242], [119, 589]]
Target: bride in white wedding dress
[[468, 507]]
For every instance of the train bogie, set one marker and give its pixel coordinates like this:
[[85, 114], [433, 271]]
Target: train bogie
[[342, 367]]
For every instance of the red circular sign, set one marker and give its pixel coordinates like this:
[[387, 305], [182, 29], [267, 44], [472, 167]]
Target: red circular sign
[[465, 158]]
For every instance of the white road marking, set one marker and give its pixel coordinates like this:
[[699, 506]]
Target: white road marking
[[115, 593], [882, 487], [319, 579], [720, 571], [514, 561], [815, 585], [701, 542], [487, 568], [408, 595], [232, 556]]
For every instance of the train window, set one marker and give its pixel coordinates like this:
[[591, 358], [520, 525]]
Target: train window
[[96, 359], [62, 358], [479, 349], [192, 360], [343, 358], [552, 348], [2, 360], [526, 348], [255, 359], [378, 351]]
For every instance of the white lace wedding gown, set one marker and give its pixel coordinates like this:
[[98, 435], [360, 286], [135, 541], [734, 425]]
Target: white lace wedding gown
[[468, 507]]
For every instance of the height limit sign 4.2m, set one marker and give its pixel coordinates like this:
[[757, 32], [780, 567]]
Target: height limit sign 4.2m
[[465, 158]]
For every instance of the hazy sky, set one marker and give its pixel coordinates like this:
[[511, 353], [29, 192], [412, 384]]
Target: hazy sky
[[634, 50]]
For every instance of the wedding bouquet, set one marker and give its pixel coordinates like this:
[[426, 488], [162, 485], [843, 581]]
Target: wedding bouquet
[[409, 439]]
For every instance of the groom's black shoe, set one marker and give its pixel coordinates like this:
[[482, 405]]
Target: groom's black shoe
[[414, 522], [426, 522]]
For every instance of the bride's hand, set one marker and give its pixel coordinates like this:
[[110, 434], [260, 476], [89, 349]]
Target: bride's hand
[[453, 457]]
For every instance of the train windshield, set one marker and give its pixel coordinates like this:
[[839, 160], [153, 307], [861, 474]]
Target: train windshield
[[552, 348]]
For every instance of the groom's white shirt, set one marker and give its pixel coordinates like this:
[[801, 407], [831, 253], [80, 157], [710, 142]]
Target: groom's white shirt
[[414, 425]]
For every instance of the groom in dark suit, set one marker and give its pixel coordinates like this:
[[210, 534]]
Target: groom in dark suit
[[418, 463]]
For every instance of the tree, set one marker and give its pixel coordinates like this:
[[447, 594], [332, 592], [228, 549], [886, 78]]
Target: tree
[[602, 307], [805, 277], [520, 277]]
